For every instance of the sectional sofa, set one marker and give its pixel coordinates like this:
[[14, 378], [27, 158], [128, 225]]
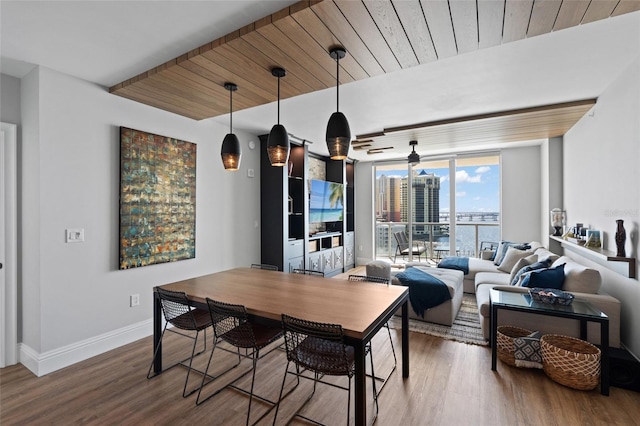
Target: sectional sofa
[[584, 283]]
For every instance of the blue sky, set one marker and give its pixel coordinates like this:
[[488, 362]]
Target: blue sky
[[477, 187]]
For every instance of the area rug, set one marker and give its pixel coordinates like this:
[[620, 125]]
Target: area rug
[[465, 328]]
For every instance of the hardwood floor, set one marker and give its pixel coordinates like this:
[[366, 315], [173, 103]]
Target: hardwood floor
[[450, 384]]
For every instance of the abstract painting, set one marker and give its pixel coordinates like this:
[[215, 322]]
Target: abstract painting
[[157, 199]]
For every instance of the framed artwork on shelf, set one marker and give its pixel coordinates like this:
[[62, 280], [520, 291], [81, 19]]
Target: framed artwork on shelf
[[157, 199]]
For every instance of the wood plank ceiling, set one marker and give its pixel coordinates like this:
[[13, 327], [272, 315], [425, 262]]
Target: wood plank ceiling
[[379, 36]]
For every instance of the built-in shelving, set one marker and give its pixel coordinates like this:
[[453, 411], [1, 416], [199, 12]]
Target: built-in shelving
[[601, 256], [287, 239]]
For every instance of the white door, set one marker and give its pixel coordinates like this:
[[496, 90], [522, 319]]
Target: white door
[[8, 245]]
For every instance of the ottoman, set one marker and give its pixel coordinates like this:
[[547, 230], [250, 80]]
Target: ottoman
[[445, 312], [379, 268]]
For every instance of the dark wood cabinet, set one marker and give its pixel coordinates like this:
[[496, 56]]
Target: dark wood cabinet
[[284, 199]]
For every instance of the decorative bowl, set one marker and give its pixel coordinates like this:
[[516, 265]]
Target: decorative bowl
[[551, 296]]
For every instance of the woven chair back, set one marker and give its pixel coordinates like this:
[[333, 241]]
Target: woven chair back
[[177, 309], [308, 272], [264, 266], [231, 324], [379, 280], [318, 346]]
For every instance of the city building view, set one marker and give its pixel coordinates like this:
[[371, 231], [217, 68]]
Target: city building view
[[421, 206]]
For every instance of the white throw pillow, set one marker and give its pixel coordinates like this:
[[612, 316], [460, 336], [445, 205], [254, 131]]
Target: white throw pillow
[[511, 258]]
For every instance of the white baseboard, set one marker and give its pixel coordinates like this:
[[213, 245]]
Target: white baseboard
[[45, 363]]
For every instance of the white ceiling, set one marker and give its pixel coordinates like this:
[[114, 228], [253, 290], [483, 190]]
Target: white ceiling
[[109, 41]]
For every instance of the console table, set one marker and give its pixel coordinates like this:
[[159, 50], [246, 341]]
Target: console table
[[580, 310]]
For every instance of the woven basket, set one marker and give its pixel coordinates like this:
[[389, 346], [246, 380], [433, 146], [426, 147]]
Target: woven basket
[[571, 362], [505, 336]]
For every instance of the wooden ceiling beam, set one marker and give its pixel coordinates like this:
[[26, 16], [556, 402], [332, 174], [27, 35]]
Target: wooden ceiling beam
[[379, 37]]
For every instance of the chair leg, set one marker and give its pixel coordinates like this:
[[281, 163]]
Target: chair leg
[[374, 391], [393, 349], [253, 380], [349, 402], [193, 352], [284, 379], [155, 353], [206, 375]]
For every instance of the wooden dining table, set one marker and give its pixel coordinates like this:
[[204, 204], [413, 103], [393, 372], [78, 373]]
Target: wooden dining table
[[361, 308]]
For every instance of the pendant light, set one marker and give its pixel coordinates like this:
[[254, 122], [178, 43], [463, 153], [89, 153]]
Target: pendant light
[[338, 132], [413, 158], [278, 141], [230, 151]]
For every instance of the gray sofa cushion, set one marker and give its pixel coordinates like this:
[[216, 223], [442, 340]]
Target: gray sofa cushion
[[478, 265], [493, 278]]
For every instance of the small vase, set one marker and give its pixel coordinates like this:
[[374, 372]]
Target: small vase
[[621, 237]]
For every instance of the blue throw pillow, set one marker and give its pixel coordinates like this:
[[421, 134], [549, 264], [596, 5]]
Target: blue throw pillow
[[543, 264], [545, 278]]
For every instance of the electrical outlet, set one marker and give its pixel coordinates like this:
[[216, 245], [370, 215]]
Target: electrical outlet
[[134, 300]]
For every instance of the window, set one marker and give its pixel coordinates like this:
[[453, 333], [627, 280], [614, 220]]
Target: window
[[473, 200]]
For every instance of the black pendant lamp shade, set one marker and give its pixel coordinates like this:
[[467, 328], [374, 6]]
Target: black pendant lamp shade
[[413, 158], [338, 133], [278, 141], [230, 151]]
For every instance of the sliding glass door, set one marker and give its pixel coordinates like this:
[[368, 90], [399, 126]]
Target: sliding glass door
[[477, 189], [424, 201]]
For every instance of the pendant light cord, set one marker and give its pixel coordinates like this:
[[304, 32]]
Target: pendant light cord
[[278, 99], [230, 111], [337, 83]]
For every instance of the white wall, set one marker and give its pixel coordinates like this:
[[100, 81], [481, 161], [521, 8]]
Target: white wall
[[521, 189], [75, 301], [364, 205], [9, 99], [601, 177]]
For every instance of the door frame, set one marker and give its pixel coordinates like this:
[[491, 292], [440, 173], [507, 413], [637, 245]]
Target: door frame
[[9, 222]]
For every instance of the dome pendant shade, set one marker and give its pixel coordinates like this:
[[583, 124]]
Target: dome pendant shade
[[278, 146], [278, 141], [414, 157], [338, 136], [230, 152]]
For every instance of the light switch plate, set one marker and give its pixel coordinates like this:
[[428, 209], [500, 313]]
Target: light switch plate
[[74, 235], [250, 173]]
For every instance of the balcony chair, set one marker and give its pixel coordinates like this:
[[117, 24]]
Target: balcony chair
[[403, 248], [486, 249], [231, 324], [318, 348], [178, 312], [264, 266], [308, 272], [379, 280]]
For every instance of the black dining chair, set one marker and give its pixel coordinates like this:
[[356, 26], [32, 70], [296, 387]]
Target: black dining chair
[[232, 325], [264, 266], [308, 272], [379, 280], [318, 348], [179, 312]]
